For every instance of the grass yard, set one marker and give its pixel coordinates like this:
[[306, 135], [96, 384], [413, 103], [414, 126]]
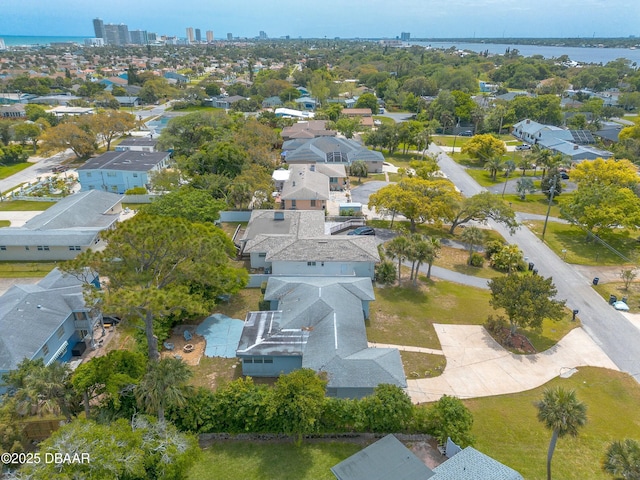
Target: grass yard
[[5, 223], [384, 120], [213, 372], [404, 315], [561, 237], [506, 427], [422, 365], [25, 269], [8, 170], [551, 332], [267, 461], [24, 206], [536, 203], [456, 259], [617, 288]]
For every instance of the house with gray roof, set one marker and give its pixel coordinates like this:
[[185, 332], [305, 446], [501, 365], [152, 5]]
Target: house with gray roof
[[48, 320], [305, 189], [307, 130], [293, 242], [331, 151], [389, 458], [63, 231], [318, 323], [137, 144], [120, 171]]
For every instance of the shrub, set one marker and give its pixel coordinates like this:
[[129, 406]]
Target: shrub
[[491, 247], [448, 417], [264, 305], [477, 260], [136, 191], [386, 272], [496, 325]]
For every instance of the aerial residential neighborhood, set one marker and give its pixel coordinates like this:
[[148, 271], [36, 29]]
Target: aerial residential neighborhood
[[317, 258]]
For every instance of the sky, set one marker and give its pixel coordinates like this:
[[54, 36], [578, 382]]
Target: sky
[[330, 18]]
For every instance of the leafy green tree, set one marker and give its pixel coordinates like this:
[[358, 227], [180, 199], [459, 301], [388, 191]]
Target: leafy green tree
[[386, 272], [388, 410], [418, 200], [348, 126], [368, 100], [563, 414], [161, 266], [398, 248], [480, 208], [188, 203], [358, 169], [449, 418], [187, 134], [212, 89], [622, 460], [110, 124], [472, 236], [524, 186], [27, 132], [103, 378], [526, 299], [12, 154], [68, 135], [628, 276], [296, 403], [163, 385]]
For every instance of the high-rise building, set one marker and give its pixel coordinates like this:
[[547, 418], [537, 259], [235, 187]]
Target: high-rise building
[[98, 28], [111, 34], [152, 37], [229, 36], [198, 35], [190, 34], [88, 42], [209, 36], [139, 37], [123, 33], [263, 35], [405, 36]]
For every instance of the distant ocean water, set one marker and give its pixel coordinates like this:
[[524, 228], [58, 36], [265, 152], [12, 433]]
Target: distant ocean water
[[15, 40]]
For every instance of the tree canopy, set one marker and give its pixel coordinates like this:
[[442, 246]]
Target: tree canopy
[[482, 207]]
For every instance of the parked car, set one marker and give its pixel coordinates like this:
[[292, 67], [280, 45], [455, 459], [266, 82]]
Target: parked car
[[564, 175], [466, 133], [524, 146], [362, 231], [59, 169]]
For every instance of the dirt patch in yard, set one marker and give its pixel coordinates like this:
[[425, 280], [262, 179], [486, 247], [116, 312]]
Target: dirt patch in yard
[[190, 351]]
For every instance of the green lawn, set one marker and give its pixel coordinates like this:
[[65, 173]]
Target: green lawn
[[23, 269], [561, 237], [268, 461], [422, 365], [5, 223], [8, 170], [24, 206], [456, 259], [506, 427], [404, 315], [384, 120], [535, 203]]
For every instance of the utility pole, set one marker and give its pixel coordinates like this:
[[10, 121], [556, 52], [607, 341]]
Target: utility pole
[[552, 192]]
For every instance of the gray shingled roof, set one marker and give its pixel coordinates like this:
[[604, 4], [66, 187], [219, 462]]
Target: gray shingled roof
[[316, 150], [31, 314], [340, 248], [294, 224], [322, 318], [84, 209], [138, 142], [305, 184], [470, 464], [20, 236], [127, 160], [385, 459]]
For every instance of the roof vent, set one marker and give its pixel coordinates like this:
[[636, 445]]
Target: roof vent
[[278, 215], [39, 306]]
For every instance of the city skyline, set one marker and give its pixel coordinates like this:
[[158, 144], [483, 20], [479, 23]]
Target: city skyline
[[358, 18]]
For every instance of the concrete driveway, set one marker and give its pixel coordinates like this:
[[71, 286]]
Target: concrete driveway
[[478, 367]]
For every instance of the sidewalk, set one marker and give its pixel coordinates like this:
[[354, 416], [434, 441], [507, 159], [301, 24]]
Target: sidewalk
[[478, 367]]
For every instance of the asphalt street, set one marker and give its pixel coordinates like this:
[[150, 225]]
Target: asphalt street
[[609, 329]]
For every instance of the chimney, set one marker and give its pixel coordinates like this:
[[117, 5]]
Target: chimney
[[528, 121], [575, 147]]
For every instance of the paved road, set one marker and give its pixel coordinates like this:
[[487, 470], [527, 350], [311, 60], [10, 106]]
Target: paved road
[[609, 329], [40, 167]]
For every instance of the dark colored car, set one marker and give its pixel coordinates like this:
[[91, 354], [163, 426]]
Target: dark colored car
[[362, 231], [466, 133], [564, 175]]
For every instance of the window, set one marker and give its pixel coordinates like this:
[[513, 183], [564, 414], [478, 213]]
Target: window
[[60, 332], [262, 255], [76, 247], [3, 247], [313, 203], [26, 248], [268, 360], [135, 175], [257, 360], [311, 264], [333, 180], [293, 204], [247, 360], [45, 350], [88, 174], [111, 174]]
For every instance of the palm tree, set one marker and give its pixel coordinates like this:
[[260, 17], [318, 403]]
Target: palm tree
[[472, 236], [163, 385], [494, 165], [524, 186], [422, 250], [47, 389], [433, 254], [563, 414], [623, 460], [398, 248]]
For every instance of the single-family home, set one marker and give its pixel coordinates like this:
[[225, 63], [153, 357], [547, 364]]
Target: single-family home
[[137, 144], [13, 111], [338, 178], [306, 103], [176, 77], [271, 102], [226, 102], [48, 320], [305, 189], [64, 230], [318, 323], [120, 171], [62, 110], [283, 112], [307, 130], [331, 151], [294, 242], [128, 101], [363, 114], [389, 458]]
